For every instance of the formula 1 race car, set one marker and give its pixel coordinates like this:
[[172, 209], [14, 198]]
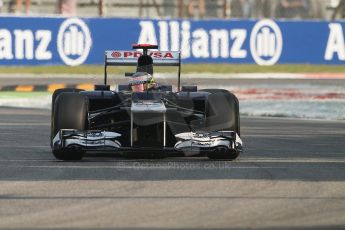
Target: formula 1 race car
[[144, 118]]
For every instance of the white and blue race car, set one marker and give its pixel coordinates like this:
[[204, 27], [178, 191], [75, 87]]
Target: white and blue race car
[[144, 118]]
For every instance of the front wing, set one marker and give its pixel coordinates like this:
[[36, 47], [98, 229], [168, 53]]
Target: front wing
[[188, 144]]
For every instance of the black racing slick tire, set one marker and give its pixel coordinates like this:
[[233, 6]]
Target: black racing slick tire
[[222, 113], [55, 95], [70, 112]]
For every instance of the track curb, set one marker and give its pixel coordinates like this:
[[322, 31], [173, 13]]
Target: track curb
[[44, 87]]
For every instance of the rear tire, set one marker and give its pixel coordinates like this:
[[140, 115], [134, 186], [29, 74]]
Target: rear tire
[[222, 113], [70, 112]]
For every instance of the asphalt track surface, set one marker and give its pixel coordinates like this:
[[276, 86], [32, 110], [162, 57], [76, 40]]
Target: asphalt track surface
[[291, 176]]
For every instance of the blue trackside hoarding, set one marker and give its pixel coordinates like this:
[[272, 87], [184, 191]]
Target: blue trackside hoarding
[[77, 41]]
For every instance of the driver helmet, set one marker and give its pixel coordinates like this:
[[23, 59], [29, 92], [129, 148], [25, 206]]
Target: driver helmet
[[142, 81]]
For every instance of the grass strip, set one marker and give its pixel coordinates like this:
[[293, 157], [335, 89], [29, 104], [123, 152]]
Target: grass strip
[[23, 94], [186, 68]]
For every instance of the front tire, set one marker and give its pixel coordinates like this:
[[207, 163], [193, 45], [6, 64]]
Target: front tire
[[222, 114], [54, 97], [70, 112]]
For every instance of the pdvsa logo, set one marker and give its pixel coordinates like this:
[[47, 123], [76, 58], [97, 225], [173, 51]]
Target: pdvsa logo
[[116, 54], [266, 42], [74, 41]]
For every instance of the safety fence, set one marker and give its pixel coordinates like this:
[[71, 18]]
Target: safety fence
[[321, 9]]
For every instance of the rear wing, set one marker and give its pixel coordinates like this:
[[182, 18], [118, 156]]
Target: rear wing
[[130, 58]]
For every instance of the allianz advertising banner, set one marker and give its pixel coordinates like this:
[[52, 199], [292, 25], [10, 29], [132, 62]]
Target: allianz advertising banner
[[76, 41]]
